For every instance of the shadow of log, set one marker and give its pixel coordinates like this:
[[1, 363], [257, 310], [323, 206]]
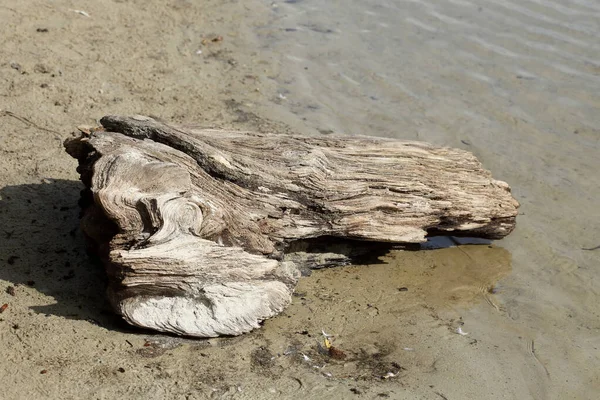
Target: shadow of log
[[41, 247]]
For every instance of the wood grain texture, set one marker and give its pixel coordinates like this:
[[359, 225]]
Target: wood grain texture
[[193, 224]]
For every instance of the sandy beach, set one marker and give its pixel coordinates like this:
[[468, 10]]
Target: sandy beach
[[514, 319]]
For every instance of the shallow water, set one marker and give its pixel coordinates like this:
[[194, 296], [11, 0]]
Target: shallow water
[[518, 84]]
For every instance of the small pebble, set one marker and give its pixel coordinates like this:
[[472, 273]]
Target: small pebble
[[41, 68], [16, 66]]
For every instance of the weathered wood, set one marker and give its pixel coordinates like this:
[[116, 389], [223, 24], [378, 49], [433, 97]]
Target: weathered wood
[[193, 224]]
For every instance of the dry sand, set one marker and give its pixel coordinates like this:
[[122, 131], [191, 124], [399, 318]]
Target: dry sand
[[396, 321]]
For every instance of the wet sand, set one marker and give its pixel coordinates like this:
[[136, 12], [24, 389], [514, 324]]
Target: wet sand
[[515, 83]]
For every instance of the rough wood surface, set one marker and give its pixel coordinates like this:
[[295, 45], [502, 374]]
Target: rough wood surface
[[193, 224]]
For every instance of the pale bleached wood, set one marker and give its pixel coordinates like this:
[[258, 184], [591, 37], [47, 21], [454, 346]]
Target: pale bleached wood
[[193, 224]]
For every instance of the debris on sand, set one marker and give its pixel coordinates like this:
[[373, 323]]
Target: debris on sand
[[461, 332], [336, 353], [81, 12], [213, 39], [389, 375], [333, 351], [17, 66]]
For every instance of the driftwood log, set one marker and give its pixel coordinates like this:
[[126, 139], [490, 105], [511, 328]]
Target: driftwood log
[[193, 225]]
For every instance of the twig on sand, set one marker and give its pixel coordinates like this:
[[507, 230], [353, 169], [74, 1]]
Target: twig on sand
[[591, 248], [27, 121]]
